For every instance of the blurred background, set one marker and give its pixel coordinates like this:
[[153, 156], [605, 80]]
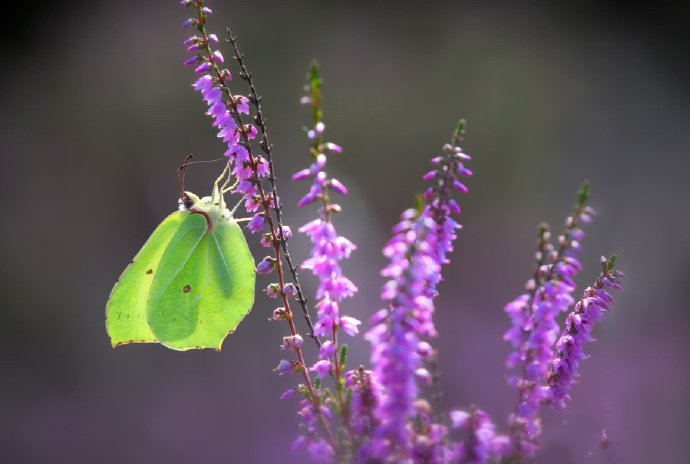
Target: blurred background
[[97, 113]]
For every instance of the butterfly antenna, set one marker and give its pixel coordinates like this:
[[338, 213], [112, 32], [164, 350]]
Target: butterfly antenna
[[180, 179], [207, 161]]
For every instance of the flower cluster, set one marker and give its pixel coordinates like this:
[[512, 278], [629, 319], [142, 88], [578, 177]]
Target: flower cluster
[[328, 249], [563, 369], [249, 170], [479, 444], [418, 249], [388, 412], [226, 110], [535, 326]]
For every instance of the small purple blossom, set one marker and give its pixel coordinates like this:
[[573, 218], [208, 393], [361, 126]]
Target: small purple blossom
[[327, 350], [279, 314], [273, 290], [479, 443], [337, 186], [285, 367], [350, 325], [257, 223], [287, 232], [322, 368], [289, 290], [292, 342], [266, 265]]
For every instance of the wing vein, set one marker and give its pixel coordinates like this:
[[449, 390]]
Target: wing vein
[[222, 257], [183, 262]]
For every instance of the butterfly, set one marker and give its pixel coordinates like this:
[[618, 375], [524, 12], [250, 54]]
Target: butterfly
[[192, 282]]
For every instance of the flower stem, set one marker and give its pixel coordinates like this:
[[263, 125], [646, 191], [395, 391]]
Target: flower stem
[[265, 202], [266, 147]]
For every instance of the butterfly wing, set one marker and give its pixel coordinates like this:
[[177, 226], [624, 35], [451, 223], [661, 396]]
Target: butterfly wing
[[205, 286], [233, 278], [126, 308]]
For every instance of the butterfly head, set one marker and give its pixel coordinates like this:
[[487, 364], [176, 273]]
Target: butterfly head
[[187, 201]]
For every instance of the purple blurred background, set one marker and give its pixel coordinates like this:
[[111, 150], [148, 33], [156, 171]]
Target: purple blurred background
[[97, 112]]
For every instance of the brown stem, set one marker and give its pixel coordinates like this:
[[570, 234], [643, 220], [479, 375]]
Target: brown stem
[[265, 202], [267, 149]]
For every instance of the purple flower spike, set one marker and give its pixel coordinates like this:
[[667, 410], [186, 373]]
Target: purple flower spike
[[328, 249], [387, 414], [535, 328], [225, 109], [563, 368], [419, 247]]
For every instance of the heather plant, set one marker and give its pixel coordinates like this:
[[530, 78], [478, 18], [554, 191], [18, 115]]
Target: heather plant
[[387, 411]]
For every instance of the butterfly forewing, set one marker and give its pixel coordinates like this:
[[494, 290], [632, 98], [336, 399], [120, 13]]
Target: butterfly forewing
[[126, 320]]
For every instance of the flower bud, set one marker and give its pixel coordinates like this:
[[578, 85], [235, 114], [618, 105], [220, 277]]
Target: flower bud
[[266, 240], [273, 290], [289, 290], [285, 367], [334, 148], [292, 342], [336, 185], [279, 313], [266, 265]]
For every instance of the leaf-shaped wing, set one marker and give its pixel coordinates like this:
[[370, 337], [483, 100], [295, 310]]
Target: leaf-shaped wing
[[206, 287], [126, 308]]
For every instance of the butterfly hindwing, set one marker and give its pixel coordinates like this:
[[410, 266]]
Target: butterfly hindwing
[[206, 288], [233, 276]]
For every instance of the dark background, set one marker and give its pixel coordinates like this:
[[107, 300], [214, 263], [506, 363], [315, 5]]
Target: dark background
[[97, 112]]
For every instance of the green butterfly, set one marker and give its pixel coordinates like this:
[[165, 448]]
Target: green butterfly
[[192, 282]]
